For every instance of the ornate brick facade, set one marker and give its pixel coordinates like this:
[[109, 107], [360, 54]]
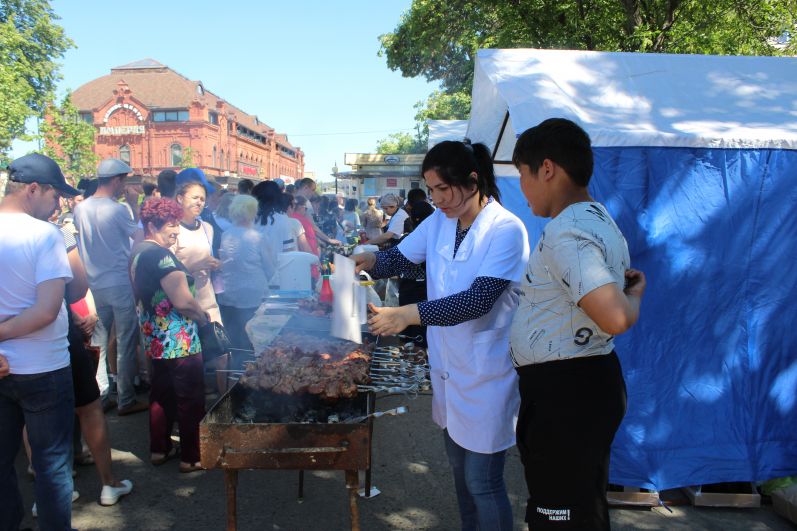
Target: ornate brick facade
[[154, 117]]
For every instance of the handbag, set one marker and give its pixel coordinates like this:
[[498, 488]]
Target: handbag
[[214, 340]]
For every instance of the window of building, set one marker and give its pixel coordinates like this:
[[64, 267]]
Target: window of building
[[213, 117], [176, 154], [415, 184], [200, 90], [214, 156], [87, 117], [170, 116], [124, 154]]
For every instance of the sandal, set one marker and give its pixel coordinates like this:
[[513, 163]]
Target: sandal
[[173, 452], [186, 468]]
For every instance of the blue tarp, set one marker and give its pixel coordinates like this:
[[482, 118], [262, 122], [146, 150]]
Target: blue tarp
[[711, 367]]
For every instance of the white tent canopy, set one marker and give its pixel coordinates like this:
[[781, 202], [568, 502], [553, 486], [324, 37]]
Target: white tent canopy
[[634, 99], [440, 130]]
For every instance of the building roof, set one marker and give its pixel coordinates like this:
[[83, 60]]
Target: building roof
[[159, 87]]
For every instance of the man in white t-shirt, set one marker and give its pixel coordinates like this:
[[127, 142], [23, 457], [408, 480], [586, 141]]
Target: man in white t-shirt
[[104, 232], [578, 293], [35, 375]]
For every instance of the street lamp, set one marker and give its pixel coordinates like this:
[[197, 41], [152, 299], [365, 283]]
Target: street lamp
[[335, 173]]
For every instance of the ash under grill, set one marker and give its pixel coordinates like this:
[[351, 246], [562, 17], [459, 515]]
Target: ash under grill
[[250, 406]]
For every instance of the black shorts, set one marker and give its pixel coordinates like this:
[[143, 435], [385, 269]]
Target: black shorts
[[569, 413], [84, 369]]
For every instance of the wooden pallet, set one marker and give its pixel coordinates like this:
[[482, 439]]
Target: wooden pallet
[[619, 495], [739, 495]]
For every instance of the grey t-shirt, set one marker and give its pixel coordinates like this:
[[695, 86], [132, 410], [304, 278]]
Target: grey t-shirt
[[580, 250], [104, 230], [248, 263]]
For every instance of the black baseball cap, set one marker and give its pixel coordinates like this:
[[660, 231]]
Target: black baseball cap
[[36, 168]]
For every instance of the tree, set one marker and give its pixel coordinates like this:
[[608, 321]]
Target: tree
[[188, 158], [439, 106], [438, 39], [399, 143], [69, 140], [30, 42]]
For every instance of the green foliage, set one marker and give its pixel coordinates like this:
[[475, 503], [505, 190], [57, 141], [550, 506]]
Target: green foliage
[[401, 143], [188, 158], [438, 39], [69, 140]]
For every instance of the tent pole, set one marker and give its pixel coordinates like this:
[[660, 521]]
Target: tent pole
[[500, 134]]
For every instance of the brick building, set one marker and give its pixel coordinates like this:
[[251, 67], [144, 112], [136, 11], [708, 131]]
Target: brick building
[[154, 118]]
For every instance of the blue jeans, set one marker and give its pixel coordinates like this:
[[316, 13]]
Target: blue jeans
[[45, 403], [481, 492], [116, 305]]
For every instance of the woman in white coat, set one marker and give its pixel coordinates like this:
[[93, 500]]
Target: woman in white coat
[[475, 253]]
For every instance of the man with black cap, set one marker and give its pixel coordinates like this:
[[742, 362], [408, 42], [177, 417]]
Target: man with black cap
[[104, 231], [36, 382]]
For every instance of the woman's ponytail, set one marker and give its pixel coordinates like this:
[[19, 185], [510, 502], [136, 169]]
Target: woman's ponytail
[[484, 165]]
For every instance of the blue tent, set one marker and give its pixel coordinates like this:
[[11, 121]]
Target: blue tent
[[696, 159]]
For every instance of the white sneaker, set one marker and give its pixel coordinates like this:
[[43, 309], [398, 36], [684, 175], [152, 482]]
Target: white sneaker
[[110, 494], [35, 513]]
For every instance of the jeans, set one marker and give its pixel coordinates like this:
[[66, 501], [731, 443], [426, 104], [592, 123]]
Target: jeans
[[45, 404], [481, 492], [116, 305]]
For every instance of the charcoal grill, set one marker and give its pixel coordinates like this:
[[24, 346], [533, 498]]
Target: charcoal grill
[[233, 443], [248, 429], [256, 429]]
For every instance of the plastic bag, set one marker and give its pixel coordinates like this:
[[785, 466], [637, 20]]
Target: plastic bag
[[391, 292]]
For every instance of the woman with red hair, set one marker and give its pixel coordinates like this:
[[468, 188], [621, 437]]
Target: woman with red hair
[[169, 317]]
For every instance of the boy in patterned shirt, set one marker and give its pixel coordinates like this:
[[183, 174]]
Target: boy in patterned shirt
[[578, 293]]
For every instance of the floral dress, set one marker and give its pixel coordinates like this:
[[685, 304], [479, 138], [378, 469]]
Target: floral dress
[[166, 334]]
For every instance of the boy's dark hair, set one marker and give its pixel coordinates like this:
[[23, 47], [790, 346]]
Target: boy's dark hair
[[455, 161], [304, 183], [561, 141], [415, 195], [245, 186], [166, 183], [148, 187]]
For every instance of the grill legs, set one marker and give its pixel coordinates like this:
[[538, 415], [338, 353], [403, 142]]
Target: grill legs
[[353, 484], [231, 486]]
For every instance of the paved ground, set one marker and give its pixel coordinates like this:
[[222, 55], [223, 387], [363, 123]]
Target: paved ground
[[410, 469]]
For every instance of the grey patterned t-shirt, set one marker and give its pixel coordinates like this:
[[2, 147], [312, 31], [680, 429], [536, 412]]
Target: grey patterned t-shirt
[[580, 250]]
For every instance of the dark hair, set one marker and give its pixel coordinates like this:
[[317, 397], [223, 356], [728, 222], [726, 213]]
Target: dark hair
[[300, 200], [166, 183], [286, 201], [415, 195], [269, 201], [149, 188], [420, 211], [351, 204], [245, 186], [561, 141], [89, 187], [160, 211], [290, 188], [455, 161]]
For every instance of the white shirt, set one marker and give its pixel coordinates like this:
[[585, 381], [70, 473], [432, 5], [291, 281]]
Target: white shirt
[[32, 252], [396, 225], [475, 385], [580, 250], [282, 233]]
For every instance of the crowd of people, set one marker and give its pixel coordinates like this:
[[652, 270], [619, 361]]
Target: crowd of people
[[110, 289], [106, 290]]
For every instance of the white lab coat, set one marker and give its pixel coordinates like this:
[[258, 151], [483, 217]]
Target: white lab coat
[[475, 385]]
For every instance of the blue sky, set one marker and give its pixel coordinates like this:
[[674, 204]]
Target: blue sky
[[308, 68]]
